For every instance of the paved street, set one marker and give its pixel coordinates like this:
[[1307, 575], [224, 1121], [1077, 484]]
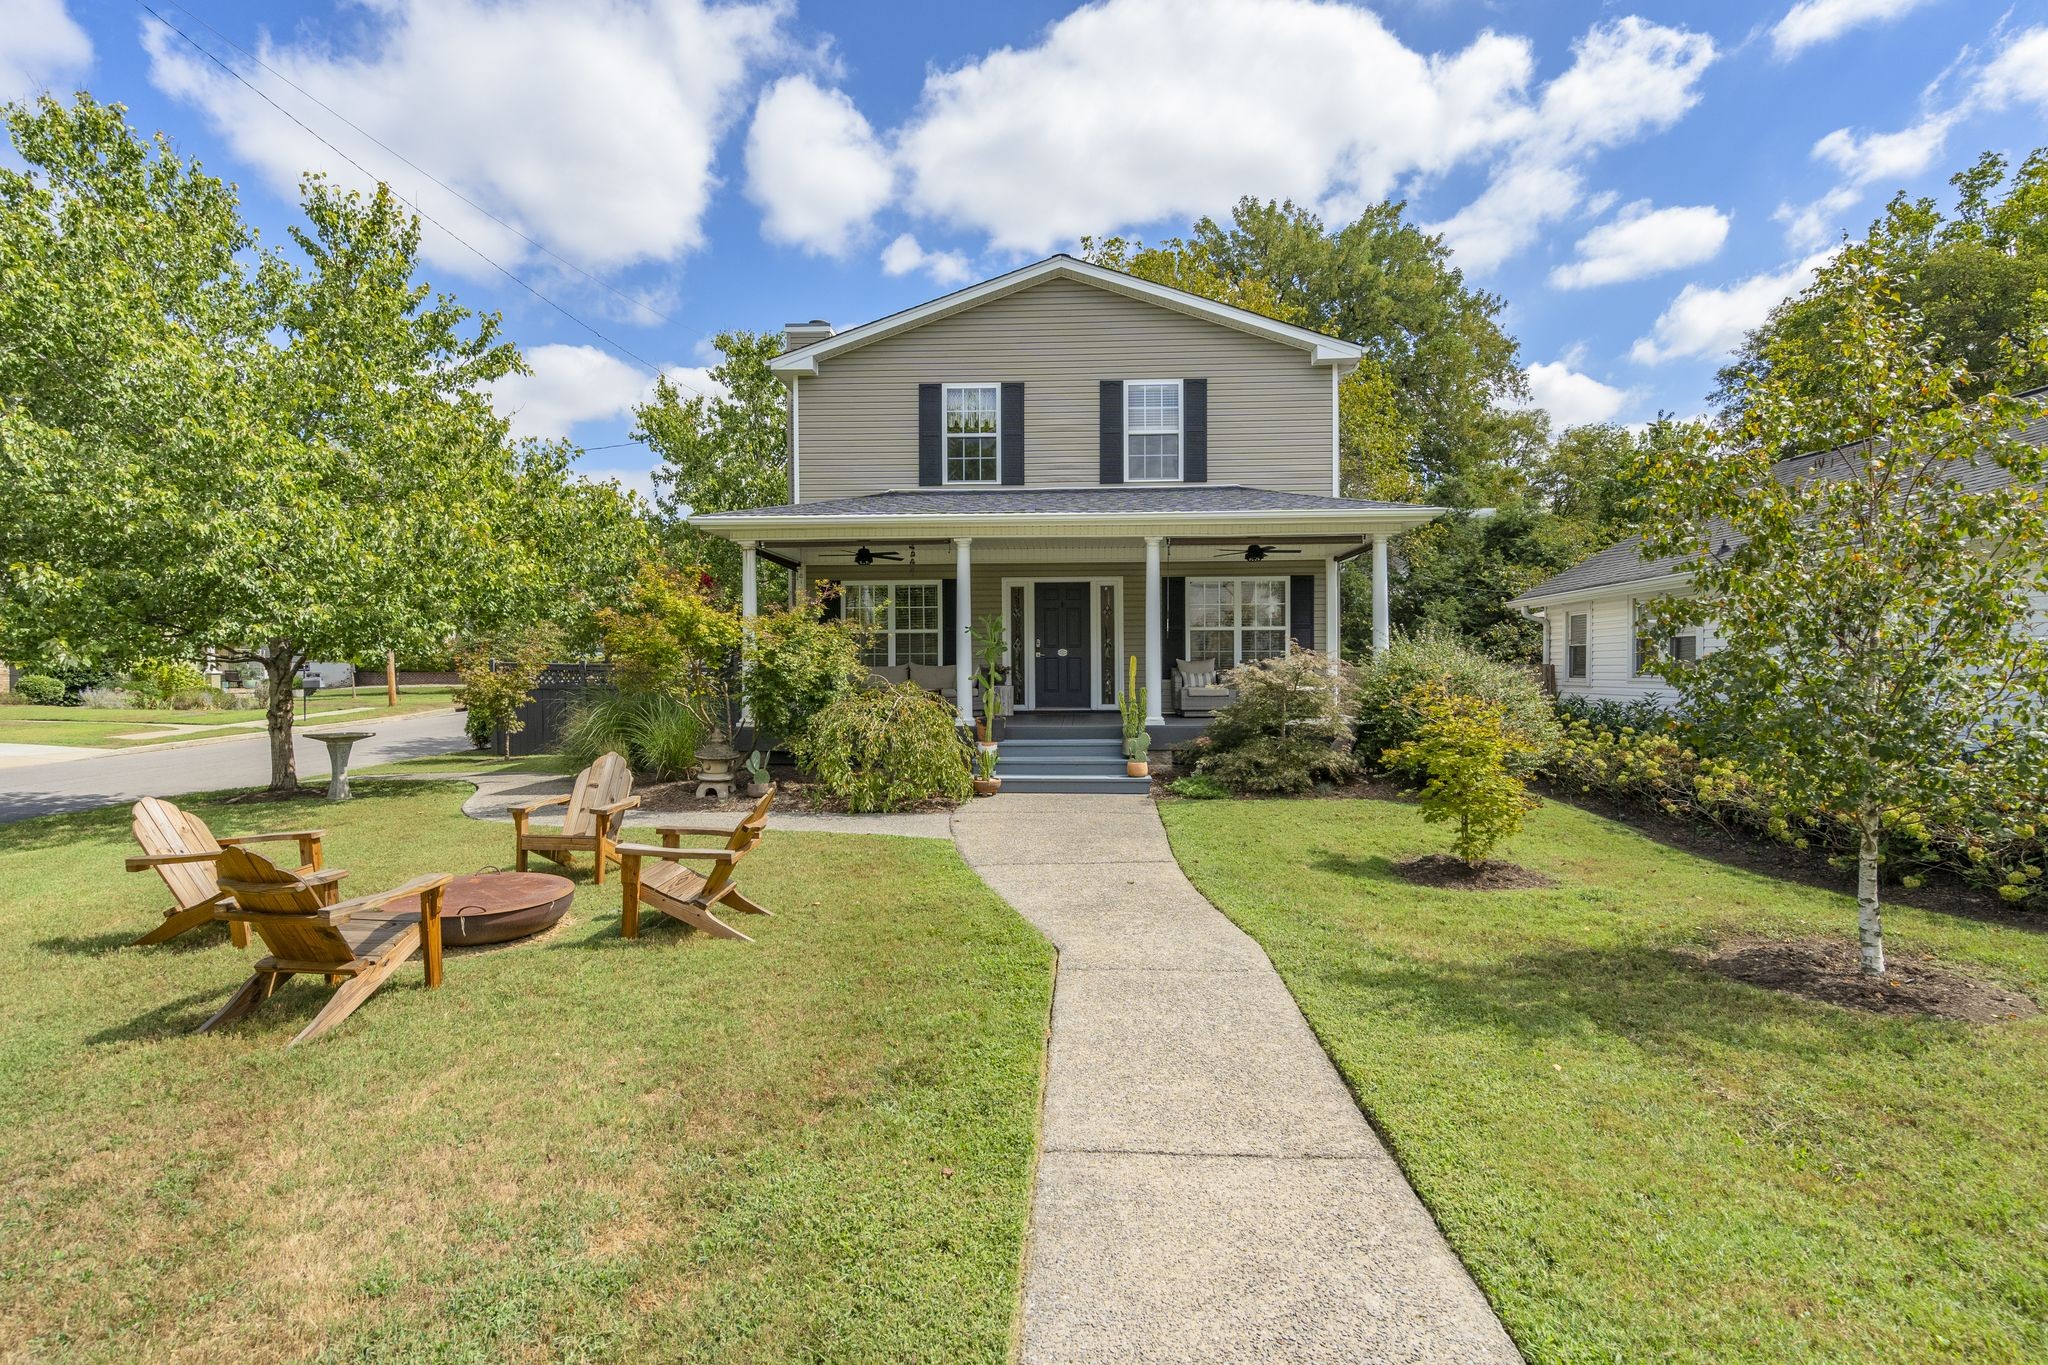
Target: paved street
[[130, 774]]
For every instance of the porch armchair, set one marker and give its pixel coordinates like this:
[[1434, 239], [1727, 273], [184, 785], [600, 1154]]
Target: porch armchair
[[1198, 688]]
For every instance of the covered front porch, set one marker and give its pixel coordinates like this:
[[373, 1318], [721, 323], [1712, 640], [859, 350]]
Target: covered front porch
[[1083, 581]]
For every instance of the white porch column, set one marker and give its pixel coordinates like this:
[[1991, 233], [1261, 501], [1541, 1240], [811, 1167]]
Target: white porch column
[[1154, 680], [963, 637], [749, 605], [1381, 628], [1333, 611]]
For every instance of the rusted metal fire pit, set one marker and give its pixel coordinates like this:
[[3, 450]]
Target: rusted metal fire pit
[[493, 907]]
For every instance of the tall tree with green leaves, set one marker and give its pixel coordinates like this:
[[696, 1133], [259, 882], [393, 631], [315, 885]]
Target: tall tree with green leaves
[[1433, 409], [1873, 608], [720, 451], [209, 445], [1977, 276]]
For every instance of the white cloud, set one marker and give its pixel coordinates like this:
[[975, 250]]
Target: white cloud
[[1643, 241], [595, 138], [39, 44], [1706, 323], [1572, 397], [1131, 111], [1808, 225], [573, 384], [2019, 72], [1627, 79], [1864, 158], [1820, 21], [904, 255], [814, 166]]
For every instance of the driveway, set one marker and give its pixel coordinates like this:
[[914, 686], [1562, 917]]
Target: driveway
[[126, 775]]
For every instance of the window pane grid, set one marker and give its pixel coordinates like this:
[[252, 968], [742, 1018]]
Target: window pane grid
[[1236, 621], [1152, 430], [972, 412], [903, 619]]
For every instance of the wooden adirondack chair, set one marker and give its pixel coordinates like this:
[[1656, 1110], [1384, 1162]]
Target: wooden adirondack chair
[[182, 850], [684, 893], [356, 944], [597, 807]]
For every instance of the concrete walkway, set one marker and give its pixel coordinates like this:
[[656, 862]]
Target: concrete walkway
[[1207, 1188]]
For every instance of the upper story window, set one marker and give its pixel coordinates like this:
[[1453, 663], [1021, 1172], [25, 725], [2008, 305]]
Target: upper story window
[[971, 431], [1152, 430]]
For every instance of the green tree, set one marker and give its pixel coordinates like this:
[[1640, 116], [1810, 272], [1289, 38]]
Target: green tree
[[1470, 756], [208, 444], [1977, 277], [1873, 612], [1458, 573], [1432, 408], [721, 452]]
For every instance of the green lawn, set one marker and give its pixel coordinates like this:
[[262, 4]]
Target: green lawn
[[1639, 1159], [469, 763], [96, 727], [814, 1146]]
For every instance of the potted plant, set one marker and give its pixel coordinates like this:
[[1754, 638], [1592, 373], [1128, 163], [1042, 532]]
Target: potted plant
[[1137, 747], [1132, 704], [757, 773], [991, 645], [986, 783]]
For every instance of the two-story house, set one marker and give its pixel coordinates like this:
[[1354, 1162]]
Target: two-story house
[[1115, 468]]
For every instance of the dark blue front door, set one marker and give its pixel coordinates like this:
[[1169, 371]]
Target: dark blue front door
[[1062, 645]]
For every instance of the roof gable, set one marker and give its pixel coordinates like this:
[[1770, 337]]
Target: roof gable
[[1317, 348]]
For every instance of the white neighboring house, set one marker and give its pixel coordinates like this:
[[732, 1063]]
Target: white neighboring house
[[1591, 645]]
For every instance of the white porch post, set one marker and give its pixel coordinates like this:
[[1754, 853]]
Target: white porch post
[[1155, 606], [1333, 611], [749, 605], [1381, 628], [963, 638]]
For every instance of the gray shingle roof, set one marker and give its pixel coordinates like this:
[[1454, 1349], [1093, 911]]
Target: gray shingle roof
[[1108, 500], [1623, 563]]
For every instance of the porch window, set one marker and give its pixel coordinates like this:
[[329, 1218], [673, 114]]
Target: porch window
[[902, 619], [1575, 650], [1151, 430], [1236, 620], [1105, 629], [971, 433], [1019, 661]]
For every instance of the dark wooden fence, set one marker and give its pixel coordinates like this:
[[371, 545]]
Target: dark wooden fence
[[560, 687]]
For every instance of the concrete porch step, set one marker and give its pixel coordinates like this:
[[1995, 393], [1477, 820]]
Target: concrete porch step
[[1087, 784]]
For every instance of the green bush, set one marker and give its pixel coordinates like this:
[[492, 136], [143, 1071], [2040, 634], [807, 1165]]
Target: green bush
[[498, 675], [657, 734], [1386, 719], [1286, 729], [797, 663], [105, 699], [40, 689], [201, 699], [1196, 787], [1469, 754], [1604, 713], [158, 683], [881, 749]]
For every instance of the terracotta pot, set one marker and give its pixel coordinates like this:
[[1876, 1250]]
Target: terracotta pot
[[1137, 767], [987, 786]]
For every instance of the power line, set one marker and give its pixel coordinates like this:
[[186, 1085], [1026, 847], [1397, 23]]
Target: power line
[[642, 361], [640, 304]]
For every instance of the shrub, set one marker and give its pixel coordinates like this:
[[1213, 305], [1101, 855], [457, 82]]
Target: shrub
[[106, 699], [797, 665], [879, 749], [498, 673], [1642, 715], [1386, 720], [201, 699], [670, 636], [1196, 787], [657, 734], [40, 689], [1286, 730], [1469, 752], [158, 683]]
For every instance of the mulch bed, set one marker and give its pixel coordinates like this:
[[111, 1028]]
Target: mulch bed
[[1455, 874], [1830, 971]]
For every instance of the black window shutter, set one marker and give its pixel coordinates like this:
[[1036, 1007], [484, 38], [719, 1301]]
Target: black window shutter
[[1194, 430], [831, 600], [1301, 609], [1112, 431], [1012, 437], [949, 621], [1172, 638], [931, 450]]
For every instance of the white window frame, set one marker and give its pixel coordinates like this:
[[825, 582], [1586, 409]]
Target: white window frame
[[1669, 643], [1180, 431], [946, 437], [1024, 691], [1585, 645], [1238, 627], [888, 630]]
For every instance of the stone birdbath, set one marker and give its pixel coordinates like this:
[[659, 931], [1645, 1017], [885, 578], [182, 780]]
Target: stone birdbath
[[338, 743]]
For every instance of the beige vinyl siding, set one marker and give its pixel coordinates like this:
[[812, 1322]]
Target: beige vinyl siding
[[988, 587], [1269, 408]]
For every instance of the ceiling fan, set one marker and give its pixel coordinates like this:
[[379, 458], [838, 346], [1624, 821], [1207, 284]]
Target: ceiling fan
[[864, 556], [1254, 553]]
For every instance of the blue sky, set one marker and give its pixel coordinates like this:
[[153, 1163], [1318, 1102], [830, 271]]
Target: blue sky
[[1639, 182]]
